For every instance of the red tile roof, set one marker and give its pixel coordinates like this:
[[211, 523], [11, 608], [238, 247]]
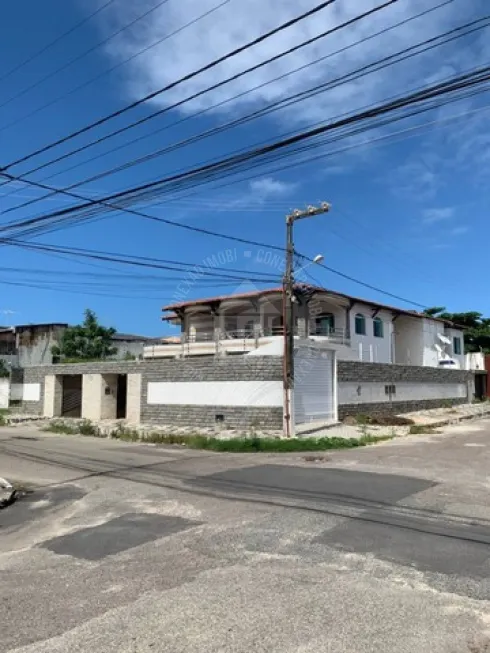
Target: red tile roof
[[278, 289]]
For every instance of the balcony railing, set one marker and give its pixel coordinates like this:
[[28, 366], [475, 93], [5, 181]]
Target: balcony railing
[[208, 343], [340, 336]]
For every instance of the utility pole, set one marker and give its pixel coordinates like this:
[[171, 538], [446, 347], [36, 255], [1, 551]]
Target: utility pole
[[288, 300]]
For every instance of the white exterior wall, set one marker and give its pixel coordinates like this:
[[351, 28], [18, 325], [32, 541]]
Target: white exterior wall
[[457, 333], [369, 348], [431, 329], [474, 361], [366, 393], [409, 342], [200, 324], [216, 393], [133, 406], [25, 391], [91, 396], [317, 308], [4, 392]]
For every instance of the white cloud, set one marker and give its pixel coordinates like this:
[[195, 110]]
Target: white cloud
[[268, 186], [431, 216], [459, 231], [239, 21]]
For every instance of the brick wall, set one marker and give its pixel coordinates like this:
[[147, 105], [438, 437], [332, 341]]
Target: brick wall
[[356, 371], [369, 375], [239, 368]]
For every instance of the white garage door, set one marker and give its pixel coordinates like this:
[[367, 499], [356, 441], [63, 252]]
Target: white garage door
[[314, 396]]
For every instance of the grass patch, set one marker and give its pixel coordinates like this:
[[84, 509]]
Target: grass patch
[[125, 433], [421, 429], [250, 444], [266, 445], [85, 427]]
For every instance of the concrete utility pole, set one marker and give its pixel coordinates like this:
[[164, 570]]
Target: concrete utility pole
[[288, 310]]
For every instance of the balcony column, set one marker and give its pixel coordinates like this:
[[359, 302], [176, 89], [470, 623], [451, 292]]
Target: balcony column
[[302, 314], [216, 318], [183, 331], [219, 327], [262, 318], [257, 328], [348, 309]]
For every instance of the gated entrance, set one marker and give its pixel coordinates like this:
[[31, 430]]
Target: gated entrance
[[315, 397], [71, 403]]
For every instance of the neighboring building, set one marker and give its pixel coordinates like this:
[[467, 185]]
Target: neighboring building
[[357, 329], [131, 345], [30, 344]]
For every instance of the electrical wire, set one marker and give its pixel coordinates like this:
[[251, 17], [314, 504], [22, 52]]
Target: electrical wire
[[457, 83], [161, 40], [216, 62], [143, 262], [234, 97], [431, 92], [82, 55], [47, 47], [376, 66], [358, 281]]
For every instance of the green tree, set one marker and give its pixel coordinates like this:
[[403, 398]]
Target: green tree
[[86, 341], [476, 327]]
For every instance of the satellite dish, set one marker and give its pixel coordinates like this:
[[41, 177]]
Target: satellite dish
[[438, 348], [444, 339]]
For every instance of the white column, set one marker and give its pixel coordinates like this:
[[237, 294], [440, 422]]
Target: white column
[[133, 406]]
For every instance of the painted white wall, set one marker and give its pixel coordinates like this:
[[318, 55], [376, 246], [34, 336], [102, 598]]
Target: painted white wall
[[318, 306], [4, 393], [365, 393], [457, 333], [216, 393], [474, 361], [369, 348], [200, 324], [409, 342], [431, 329], [25, 391]]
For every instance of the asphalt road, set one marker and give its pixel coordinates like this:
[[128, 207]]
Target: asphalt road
[[135, 548]]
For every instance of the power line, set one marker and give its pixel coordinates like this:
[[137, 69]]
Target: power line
[[236, 96], [140, 261], [121, 207], [367, 69], [477, 77], [150, 96], [55, 41], [82, 55], [361, 283], [118, 65]]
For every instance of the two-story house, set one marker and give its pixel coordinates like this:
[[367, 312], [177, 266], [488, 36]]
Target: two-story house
[[358, 329]]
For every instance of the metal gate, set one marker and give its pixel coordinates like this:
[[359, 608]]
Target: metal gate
[[71, 405], [314, 398]]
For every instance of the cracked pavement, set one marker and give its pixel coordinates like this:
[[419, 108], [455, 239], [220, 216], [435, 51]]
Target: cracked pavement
[[136, 548]]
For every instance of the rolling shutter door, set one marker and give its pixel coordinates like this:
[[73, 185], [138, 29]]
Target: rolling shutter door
[[313, 386]]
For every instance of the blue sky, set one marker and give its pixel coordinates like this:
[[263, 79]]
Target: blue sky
[[409, 204]]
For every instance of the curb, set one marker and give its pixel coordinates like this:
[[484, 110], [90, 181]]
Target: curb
[[457, 420]]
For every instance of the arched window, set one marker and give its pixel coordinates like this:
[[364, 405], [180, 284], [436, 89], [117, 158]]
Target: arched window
[[378, 327], [360, 324], [325, 324]]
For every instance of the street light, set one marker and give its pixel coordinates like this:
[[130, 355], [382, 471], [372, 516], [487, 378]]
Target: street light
[[319, 258]]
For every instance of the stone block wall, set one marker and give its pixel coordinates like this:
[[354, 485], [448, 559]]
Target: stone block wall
[[192, 370], [382, 388]]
